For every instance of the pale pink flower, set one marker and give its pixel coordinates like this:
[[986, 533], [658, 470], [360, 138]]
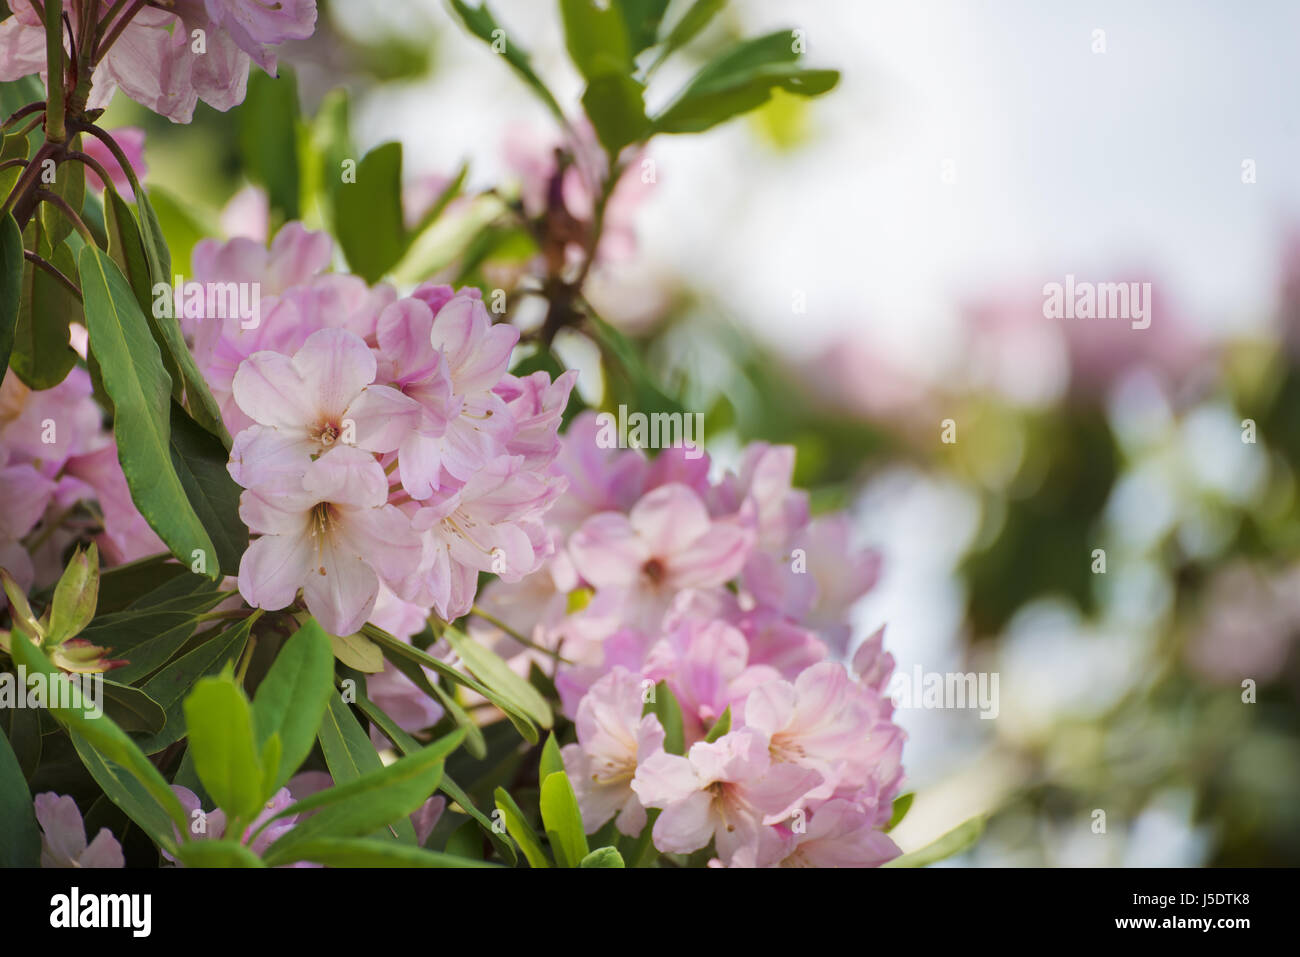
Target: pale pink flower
[[721, 791], [295, 256], [257, 27], [613, 737], [320, 399], [826, 722], [332, 535], [838, 834], [63, 836], [666, 543], [491, 524]]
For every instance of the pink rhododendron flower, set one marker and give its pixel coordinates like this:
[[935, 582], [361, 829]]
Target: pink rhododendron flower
[[332, 535], [667, 542], [613, 738], [838, 834], [306, 405], [63, 836], [722, 792]]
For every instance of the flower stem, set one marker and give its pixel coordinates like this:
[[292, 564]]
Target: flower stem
[[55, 130]]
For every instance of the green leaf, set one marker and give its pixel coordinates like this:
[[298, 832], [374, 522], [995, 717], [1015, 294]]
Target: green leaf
[[126, 247], [292, 698], [517, 826], [486, 665], [170, 685], [603, 857], [41, 355], [369, 214], [362, 852], [480, 22], [109, 741], [200, 458], [350, 756], [147, 640], [208, 853], [11, 284], [20, 837], [178, 222], [506, 849], [741, 79], [551, 760], [641, 19], [132, 708], [70, 184], [127, 793], [615, 104], [151, 234], [563, 820], [268, 139], [123, 584], [134, 377], [596, 38], [219, 723], [720, 727], [517, 715], [954, 842], [359, 652], [902, 804], [373, 801], [665, 707], [475, 743], [689, 26]]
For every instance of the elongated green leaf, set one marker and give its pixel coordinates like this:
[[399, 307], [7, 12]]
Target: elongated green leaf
[[486, 665], [563, 820], [596, 37], [603, 857], [207, 853], [20, 837], [517, 715], [373, 801], [124, 584], [132, 708], [359, 652], [641, 19], [11, 284], [41, 355], [219, 723], [268, 143], [954, 842], [133, 375], [292, 698], [502, 843], [170, 685], [75, 596], [369, 214], [475, 743], [665, 707], [689, 26], [615, 104], [517, 826], [361, 852], [200, 462], [126, 792], [551, 760], [126, 248], [70, 184], [108, 740], [480, 22], [350, 756]]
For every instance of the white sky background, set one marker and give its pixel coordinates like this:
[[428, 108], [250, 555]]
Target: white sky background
[[1066, 160]]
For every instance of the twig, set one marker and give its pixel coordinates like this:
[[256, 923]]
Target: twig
[[53, 270]]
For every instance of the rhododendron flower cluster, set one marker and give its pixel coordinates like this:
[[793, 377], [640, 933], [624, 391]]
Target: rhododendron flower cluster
[[167, 59], [381, 441], [728, 592]]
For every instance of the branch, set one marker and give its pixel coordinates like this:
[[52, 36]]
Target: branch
[[53, 270], [61, 204]]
